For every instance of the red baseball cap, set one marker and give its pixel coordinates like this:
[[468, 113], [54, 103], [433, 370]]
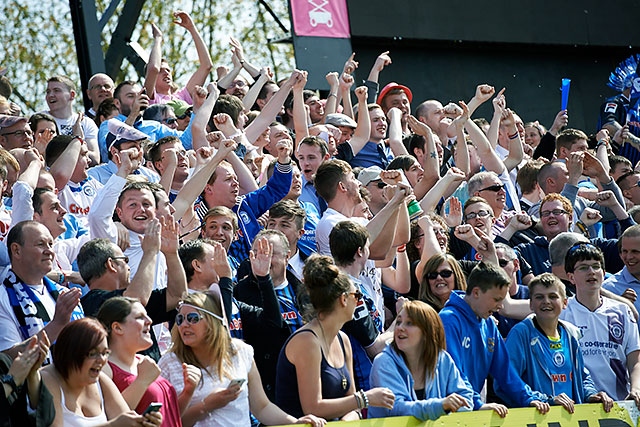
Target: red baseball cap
[[394, 85]]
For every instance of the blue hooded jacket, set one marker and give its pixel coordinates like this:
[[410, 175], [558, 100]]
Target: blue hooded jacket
[[478, 350], [527, 356], [390, 370]]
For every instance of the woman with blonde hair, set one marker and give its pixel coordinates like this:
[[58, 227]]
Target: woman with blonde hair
[[424, 378], [441, 275], [230, 387]]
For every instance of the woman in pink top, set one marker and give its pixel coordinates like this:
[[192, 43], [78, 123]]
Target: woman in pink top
[[136, 376]]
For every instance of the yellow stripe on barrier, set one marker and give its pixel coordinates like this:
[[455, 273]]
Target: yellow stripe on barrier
[[623, 414]]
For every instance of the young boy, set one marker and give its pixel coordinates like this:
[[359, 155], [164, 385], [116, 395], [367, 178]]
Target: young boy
[[610, 343], [475, 344], [544, 350]]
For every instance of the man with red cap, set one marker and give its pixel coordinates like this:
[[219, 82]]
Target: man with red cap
[[398, 96]]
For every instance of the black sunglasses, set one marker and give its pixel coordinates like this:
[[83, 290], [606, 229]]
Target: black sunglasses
[[495, 188], [170, 120], [357, 294], [445, 274], [186, 114], [503, 262]]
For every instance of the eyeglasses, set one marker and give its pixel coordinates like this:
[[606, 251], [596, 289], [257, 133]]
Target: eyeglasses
[[194, 317], [357, 294], [555, 212], [95, 354], [584, 268], [503, 262], [495, 188], [123, 258], [379, 184], [19, 133], [170, 120], [480, 214], [445, 274], [186, 114], [105, 86]]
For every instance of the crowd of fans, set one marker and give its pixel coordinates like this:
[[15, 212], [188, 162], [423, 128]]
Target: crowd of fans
[[242, 251]]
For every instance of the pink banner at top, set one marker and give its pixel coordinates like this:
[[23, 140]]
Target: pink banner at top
[[320, 18]]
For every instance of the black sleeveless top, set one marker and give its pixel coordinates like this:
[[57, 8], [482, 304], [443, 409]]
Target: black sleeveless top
[[335, 381]]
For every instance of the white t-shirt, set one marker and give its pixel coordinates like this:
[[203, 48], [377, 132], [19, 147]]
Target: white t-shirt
[[371, 276], [77, 198], [236, 412], [609, 334]]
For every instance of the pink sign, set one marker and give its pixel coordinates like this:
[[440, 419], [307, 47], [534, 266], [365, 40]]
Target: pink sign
[[320, 18]]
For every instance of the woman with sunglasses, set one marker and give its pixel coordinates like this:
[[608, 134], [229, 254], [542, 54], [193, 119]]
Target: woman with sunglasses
[[424, 378], [441, 275], [320, 347], [138, 377], [82, 394], [230, 385]]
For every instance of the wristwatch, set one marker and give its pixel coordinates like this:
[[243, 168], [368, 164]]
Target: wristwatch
[[8, 379]]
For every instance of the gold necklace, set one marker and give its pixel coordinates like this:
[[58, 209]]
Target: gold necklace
[[324, 339]]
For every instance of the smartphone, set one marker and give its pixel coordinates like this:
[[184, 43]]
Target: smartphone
[[153, 407], [238, 382]]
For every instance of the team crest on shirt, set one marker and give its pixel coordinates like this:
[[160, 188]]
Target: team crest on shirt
[[89, 191], [244, 217], [491, 344], [558, 359]]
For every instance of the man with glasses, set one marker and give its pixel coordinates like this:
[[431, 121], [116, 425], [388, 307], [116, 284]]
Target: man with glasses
[[105, 269], [15, 132], [492, 188], [182, 111], [610, 342], [100, 88], [370, 179]]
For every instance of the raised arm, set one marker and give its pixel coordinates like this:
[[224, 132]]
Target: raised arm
[[346, 81], [489, 157], [184, 20], [443, 188], [484, 92], [499, 106], [395, 132], [144, 280], [176, 277], [300, 114], [64, 165], [461, 153], [372, 80], [201, 118], [253, 92], [271, 110], [194, 186], [363, 129], [153, 66], [516, 151], [332, 98]]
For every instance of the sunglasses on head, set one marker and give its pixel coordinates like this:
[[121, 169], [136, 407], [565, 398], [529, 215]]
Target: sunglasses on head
[[445, 274], [194, 317], [495, 188]]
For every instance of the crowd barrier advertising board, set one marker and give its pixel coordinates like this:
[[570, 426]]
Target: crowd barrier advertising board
[[623, 414]]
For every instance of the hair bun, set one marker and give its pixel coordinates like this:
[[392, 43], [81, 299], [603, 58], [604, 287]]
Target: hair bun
[[319, 270]]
